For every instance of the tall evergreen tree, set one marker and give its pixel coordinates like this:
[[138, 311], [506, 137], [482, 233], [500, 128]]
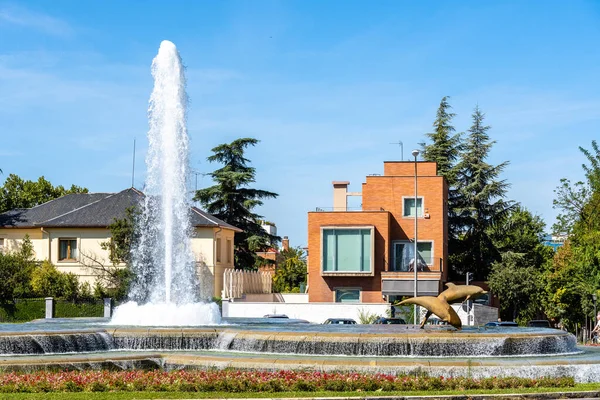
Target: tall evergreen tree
[[482, 204], [444, 149], [232, 200]]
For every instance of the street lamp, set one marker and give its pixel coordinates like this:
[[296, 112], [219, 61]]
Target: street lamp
[[595, 313], [415, 153]]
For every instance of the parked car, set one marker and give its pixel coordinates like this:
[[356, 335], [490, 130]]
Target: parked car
[[436, 321], [503, 323], [388, 321], [275, 316], [539, 323], [343, 321]]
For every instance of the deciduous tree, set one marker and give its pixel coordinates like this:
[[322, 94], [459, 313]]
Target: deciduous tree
[[291, 270], [19, 193]]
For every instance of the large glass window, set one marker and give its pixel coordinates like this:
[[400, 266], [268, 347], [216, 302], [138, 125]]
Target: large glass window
[[347, 250], [345, 295], [409, 207], [404, 260], [67, 249]]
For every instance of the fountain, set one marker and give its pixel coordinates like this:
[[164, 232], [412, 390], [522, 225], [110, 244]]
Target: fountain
[[168, 325], [166, 290]]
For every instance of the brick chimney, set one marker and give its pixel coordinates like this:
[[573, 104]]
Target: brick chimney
[[285, 243]]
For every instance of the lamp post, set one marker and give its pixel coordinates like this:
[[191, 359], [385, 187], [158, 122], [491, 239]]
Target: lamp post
[[595, 312], [415, 153]]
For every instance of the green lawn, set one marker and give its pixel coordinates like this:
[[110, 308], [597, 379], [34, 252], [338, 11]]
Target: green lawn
[[222, 395]]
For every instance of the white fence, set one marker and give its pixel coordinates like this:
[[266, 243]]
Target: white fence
[[312, 312], [238, 283]]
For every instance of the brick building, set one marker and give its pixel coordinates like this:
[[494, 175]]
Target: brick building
[[367, 256]]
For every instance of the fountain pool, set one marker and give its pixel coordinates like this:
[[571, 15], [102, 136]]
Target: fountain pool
[[257, 343]]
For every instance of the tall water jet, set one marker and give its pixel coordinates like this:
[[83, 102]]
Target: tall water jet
[[165, 279]]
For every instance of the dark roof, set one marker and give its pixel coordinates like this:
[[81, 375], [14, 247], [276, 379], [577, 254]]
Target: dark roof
[[90, 210]]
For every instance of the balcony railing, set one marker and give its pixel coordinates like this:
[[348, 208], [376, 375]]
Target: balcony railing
[[424, 264], [347, 209]]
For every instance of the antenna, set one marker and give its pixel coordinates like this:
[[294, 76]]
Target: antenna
[[133, 168], [401, 149]]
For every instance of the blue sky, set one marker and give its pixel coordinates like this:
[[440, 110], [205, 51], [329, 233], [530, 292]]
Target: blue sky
[[325, 85]]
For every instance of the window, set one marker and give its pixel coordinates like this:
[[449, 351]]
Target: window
[[229, 251], [403, 253], [409, 207], [347, 295], [218, 249], [67, 249], [347, 250]]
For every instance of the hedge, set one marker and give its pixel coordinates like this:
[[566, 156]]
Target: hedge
[[23, 310]]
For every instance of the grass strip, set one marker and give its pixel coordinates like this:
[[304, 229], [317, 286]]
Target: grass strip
[[248, 395]]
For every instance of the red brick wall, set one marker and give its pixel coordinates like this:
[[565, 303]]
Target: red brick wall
[[407, 168], [384, 192], [389, 192], [321, 288]]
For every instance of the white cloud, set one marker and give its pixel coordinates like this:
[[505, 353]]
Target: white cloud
[[18, 16]]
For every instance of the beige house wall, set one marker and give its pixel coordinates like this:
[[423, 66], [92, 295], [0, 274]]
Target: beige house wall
[[46, 247]]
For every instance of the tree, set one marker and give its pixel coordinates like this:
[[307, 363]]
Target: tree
[[19, 193], [445, 145], [572, 199], [519, 285], [574, 274], [444, 149], [15, 272], [115, 278], [291, 271], [522, 233], [481, 205], [234, 201], [568, 288]]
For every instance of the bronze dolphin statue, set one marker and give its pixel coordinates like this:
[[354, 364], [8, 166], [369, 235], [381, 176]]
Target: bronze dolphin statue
[[438, 306], [457, 294], [460, 293]]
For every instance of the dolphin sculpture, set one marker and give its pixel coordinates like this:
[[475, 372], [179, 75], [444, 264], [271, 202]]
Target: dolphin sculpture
[[461, 293], [454, 294], [438, 306], [457, 294]]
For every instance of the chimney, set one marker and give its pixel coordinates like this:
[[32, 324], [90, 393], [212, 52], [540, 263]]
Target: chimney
[[285, 243], [340, 195]]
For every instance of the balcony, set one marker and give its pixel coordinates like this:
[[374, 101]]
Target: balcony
[[427, 267]]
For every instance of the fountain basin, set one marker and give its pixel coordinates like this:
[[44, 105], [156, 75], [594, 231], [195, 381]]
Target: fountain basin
[[291, 338]]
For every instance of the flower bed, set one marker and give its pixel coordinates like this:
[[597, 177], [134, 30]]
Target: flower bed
[[251, 381]]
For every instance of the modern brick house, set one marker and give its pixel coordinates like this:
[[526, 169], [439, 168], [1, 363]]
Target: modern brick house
[[367, 256]]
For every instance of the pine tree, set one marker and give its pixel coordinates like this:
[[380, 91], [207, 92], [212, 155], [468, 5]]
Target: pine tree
[[232, 200], [481, 205], [444, 148]]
